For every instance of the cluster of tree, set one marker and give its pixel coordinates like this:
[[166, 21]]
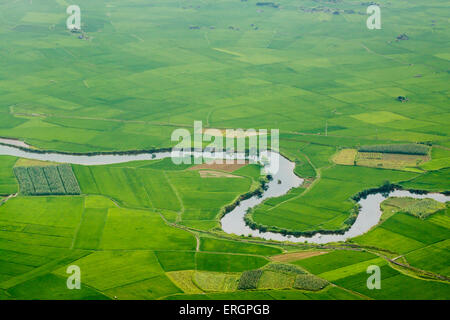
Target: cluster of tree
[[51, 180]]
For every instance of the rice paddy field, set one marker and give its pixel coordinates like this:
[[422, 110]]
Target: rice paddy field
[[146, 230]]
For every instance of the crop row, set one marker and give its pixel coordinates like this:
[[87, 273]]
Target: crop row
[[39, 180], [26, 184], [69, 180], [56, 180], [410, 148], [249, 279]]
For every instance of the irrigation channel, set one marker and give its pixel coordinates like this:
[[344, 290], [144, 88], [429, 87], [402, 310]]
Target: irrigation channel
[[233, 222]]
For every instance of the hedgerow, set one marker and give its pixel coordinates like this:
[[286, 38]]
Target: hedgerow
[[54, 180]]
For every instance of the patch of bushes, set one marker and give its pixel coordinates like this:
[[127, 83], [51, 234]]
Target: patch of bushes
[[26, 185], [69, 180], [249, 279], [309, 282], [50, 180]]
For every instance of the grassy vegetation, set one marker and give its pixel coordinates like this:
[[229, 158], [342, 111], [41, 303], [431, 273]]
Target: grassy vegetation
[[275, 280], [430, 181], [214, 281], [228, 262], [333, 260], [8, 183], [403, 233]]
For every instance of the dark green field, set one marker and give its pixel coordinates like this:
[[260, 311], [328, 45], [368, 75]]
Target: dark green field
[[151, 229]]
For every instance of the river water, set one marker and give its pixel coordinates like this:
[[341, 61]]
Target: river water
[[284, 180]]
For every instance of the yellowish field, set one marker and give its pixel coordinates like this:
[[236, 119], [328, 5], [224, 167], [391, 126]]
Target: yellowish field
[[390, 160], [350, 157], [345, 157], [183, 280], [33, 163]]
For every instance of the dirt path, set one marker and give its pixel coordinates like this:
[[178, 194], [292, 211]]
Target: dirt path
[[197, 248], [7, 198]]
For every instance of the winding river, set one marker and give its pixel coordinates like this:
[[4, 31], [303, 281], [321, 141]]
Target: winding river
[[284, 180]]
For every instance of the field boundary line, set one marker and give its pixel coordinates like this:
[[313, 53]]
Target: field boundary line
[[382, 55], [77, 230], [43, 269], [182, 209], [356, 293], [316, 180]]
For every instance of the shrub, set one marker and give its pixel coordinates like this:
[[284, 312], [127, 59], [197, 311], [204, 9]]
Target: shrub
[[58, 180], [39, 181], [309, 282], [249, 279]]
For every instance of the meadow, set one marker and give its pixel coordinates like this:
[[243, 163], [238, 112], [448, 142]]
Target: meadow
[[151, 229]]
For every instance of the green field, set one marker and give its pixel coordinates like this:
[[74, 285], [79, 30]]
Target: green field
[[151, 229]]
